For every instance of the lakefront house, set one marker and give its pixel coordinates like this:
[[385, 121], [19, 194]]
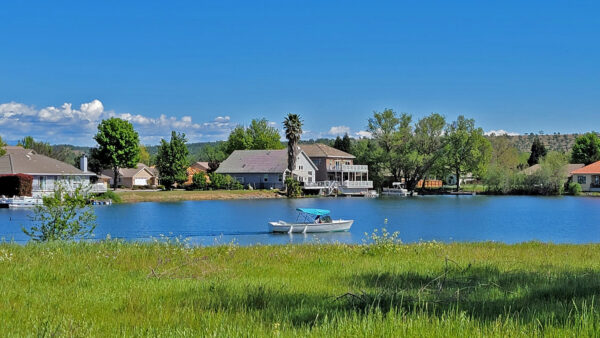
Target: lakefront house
[[267, 169], [337, 170], [588, 177], [141, 176], [48, 173]]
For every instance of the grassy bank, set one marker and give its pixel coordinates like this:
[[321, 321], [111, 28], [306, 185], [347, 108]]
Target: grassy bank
[[133, 196], [112, 288]]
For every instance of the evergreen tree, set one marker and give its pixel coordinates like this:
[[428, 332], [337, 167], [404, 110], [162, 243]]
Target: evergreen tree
[[538, 151], [171, 160]]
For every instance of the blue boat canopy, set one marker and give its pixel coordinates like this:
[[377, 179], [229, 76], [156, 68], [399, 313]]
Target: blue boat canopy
[[316, 212]]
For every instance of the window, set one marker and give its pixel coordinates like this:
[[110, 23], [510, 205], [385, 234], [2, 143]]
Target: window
[[266, 178], [300, 167], [581, 179], [596, 180], [310, 173]]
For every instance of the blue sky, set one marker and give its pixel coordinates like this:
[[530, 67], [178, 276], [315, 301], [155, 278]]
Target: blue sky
[[206, 66]]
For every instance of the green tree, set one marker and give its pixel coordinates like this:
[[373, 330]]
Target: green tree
[[258, 135], [2, 145], [238, 140], [292, 187], [144, 155], [62, 216], [214, 155], [551, 177], [384, 128], [118, 145], [199, 181], [293, 130], [467, 150], [368, 152], [343, 144], [538, 150], [586, 149], [504, 154], [171, 160]]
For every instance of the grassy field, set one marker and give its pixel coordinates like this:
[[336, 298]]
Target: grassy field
[[131, 196], [428, 289]]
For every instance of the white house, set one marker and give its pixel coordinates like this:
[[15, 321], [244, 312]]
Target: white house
[[588, 177]]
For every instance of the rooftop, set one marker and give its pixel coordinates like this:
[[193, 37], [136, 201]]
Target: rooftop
[[26, 161], [323, 150], [255, 161], [593, 168]]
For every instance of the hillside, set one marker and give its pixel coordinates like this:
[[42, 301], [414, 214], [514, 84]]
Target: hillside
[[557, 142]]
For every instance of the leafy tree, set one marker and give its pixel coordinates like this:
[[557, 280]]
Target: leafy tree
[[217, 181], [551, 177], [199, 181], [42, 148], [467, 150], [171, 160], [293, 188], [144, 155], [586, 149], [63, 216], [2, 145], [384, 128], [258, 135], [504, 154], [293, 130], [214, 155], [238, 140], [118, 145], [538, 150], [368, 152]]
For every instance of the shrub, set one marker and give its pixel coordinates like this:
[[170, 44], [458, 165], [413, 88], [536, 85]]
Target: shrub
[[16, 185], [293, 187], [574, 188], [63, 216], [199, 181], [109, 195]]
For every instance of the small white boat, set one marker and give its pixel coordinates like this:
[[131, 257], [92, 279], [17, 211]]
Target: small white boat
[[314, 220], [397, 189]]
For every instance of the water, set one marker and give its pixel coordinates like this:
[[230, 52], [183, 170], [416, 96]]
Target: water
[[509, 219]]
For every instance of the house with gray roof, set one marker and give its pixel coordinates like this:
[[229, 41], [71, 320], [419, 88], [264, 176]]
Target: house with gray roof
[[47, 172], [141, 176], [266, 169]]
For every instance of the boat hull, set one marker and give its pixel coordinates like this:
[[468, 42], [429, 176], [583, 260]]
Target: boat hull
[[283, 227]]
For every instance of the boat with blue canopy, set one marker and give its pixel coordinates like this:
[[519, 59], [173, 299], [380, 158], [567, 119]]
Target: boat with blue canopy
[[311, 220]]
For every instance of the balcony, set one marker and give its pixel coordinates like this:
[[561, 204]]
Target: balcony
[[354, 168]]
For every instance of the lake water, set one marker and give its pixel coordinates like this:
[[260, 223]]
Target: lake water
[[508, 219]]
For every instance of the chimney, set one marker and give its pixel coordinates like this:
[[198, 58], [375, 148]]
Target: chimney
[[83, 162]]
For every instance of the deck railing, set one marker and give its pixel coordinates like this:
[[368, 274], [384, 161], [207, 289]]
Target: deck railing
[[355, 168]]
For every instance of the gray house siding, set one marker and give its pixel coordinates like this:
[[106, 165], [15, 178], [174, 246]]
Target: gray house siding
[[259, 180]]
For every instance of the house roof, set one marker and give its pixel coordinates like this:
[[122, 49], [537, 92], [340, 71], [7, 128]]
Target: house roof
[[203, 166], [26, 161], [323, 150], [569, 168], [593, 168], [129, 172], [254, 161]]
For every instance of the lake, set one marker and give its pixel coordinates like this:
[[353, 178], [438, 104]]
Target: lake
[[509, 219]]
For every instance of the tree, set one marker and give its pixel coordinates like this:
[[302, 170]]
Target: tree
[[214, 155], [42, 148], [586, 149], [538, 150], [384, 127], [467, 150], [259, 135], [293, 130], [118, 145], [504, 154], [343, 144], [171, 160], [368, 152], [62, 216], [144, 155], [2, 145]]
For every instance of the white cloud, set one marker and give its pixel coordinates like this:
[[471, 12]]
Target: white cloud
[[500, 132], [363, 134], [338, 130], [77, 126]]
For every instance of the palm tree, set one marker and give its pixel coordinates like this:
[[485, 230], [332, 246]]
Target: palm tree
[[293, 130]]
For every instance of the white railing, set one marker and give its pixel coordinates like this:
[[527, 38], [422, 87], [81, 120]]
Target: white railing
[[355, 168], [320, 184], [98, 188], [358, 184]]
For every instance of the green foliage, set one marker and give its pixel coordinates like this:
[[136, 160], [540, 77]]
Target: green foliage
[[386, 242], [200, 182], [575, 189], [172, 161], [144, 155], [467, 150], [42, 148], [63, 216], [293, 188], [213, 154], [219, 182], [258, 135], [343, 144], [586, 149], [118, 146], [538, 150], [110, 195], [293, 130], [368, 152], [504, 154], [2, 145]]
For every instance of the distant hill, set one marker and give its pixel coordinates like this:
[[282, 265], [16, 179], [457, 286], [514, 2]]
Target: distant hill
[[557, 142]]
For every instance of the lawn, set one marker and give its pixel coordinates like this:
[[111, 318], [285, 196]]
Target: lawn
[[130, 196], [113, 288]]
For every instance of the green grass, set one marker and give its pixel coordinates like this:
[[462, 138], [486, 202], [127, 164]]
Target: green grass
[[429, 289], [133, 196]]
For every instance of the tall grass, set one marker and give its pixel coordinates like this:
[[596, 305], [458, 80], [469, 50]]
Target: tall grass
[[380, 289]]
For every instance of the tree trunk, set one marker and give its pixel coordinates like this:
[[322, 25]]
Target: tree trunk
[[115, 176], [457, 180]]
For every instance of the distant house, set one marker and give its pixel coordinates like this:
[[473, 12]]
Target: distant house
[[464, 179], [47, 172], [588, 177], [198, 167], [266, 169], [140, 176], [337, 168]]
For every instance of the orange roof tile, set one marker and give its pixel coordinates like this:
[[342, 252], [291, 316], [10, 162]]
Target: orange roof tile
[[593, 168]]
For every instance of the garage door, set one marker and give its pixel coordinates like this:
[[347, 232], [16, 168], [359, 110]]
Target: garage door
[[141, 181]]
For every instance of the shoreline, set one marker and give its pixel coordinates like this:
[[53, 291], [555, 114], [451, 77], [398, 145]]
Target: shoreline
[[137, 196]]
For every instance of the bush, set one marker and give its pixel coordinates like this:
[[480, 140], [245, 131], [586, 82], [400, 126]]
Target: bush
[[293, 187], [109, 195], [199, 182], [16, 185], [574, 188]]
